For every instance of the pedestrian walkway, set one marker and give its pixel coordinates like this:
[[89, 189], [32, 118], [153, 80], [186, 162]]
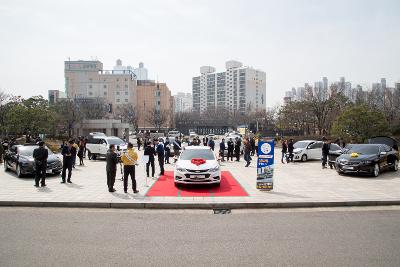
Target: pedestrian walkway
[[295, 183]]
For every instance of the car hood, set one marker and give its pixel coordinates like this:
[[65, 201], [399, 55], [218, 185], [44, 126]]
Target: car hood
[[51, 158], [187, 164], [298, 149], [359, 158]]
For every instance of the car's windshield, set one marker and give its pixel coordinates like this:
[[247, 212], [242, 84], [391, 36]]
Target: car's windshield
[[28, 150], [362, 149], [190, 154], [115, 141], [300, 144]]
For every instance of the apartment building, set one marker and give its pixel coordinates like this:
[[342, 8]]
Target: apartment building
[[154, 97], [183, 102], [87, 79], [238, 88]]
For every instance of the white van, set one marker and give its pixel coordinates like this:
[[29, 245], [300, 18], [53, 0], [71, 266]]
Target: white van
[[97, 146]]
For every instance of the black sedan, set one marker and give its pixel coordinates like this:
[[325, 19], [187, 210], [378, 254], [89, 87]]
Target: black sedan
[[367, 159], [334, 152], [19, 158]]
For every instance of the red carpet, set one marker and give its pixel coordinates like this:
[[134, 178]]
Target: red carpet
[[165, 187]]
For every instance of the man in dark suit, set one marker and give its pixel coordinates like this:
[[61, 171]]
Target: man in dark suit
[[111, 168], [67, 162], [40, 155], [160, 153]]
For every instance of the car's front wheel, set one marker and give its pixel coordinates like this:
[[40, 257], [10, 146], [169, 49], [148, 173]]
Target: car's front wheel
[[304, 158], [18, 170], [375, 172], [395, 166]]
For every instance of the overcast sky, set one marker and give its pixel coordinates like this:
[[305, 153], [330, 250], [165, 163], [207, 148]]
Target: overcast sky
[[292, 41]]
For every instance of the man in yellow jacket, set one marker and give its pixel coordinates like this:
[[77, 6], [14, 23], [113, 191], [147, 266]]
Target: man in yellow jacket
[[129, 159]]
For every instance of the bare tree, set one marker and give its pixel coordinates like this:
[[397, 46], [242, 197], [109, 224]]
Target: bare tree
[[128, 114], [93, 108], [157, 118]]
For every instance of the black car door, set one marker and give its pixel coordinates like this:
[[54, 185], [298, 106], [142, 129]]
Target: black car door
[[13, 157], [383, 156]]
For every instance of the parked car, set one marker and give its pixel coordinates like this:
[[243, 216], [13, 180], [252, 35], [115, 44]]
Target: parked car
[[334, 152], [307, 149], [367, 159], [19, 158], [192, 134], [97, 146], [197, 165], [97, 134]]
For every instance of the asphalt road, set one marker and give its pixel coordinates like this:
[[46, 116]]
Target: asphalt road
[[304, 237]]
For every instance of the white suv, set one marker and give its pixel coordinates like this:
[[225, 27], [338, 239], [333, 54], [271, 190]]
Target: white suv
[[307, 149], [97, 146]]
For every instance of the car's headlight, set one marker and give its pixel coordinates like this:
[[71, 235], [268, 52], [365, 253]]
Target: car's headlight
[[215, 169], [365, 162], [180, 169]]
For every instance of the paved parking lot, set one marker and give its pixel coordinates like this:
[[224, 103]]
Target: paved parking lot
[[294, 182]]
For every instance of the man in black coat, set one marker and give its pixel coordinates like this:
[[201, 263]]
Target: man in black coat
[[150, 151], [160, 150], [290, 150], [222, 149], [67, 162], [231, 147], [238, 144], [111, 168], [40, 155], [325, 151]]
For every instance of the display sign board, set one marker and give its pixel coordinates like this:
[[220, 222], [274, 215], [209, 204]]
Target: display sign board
[[265, 165]]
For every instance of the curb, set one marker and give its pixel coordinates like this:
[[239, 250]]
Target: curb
[[160, 205]]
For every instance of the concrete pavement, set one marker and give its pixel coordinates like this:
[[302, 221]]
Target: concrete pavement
[[295, 184]]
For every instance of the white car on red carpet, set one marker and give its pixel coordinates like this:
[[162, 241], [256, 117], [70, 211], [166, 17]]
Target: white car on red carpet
[[197, 165]]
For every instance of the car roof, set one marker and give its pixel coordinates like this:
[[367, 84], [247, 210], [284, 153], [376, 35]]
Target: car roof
[[308, 141]]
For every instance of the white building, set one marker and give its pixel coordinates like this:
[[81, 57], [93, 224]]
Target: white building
[[140, 72], [239, 88], [183, 102]]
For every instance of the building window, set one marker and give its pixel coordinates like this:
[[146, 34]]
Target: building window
[[126, 100], [90, 93], [117, 93], [118, 100], [126, 86], [105, 86], [105, 93], [117, 85], [90, 80], [126, 93], [117, 80], [126, 79], [90, 86]]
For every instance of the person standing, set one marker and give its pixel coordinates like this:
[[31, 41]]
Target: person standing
[[177, 145], [284, 150], [40, 156], [74, 151], [167, 147], [231, 147], [160, 150], [290, 146], [85, 140], [139, 143], [2, 152], [238, 144], [67, 162], [247, 151], [150, 151], [81, 152], [111, 168], [211, 143], [129, 159], [325, 152], [222, 149], [253, 145]]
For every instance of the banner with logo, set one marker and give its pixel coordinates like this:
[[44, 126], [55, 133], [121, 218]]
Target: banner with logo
[[265, 165]]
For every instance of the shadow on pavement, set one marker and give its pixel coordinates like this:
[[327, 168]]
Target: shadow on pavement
[[44, 189], [121, 196]]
